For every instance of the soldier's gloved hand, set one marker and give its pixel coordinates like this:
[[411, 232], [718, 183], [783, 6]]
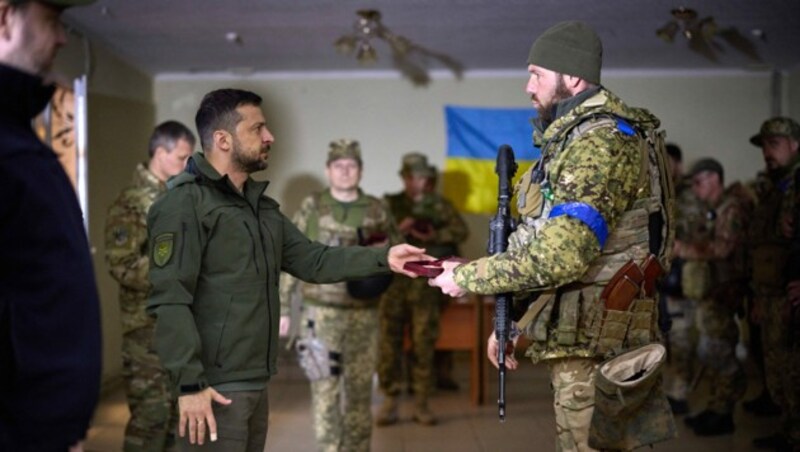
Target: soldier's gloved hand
[[285, 323], [445, 280], [492, 349]]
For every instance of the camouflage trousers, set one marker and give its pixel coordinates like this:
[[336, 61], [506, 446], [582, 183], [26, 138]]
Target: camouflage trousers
[[716, 354], [341, 403], [682, 346], [781, 364], [154, 419], [408, 302], [572, 381]]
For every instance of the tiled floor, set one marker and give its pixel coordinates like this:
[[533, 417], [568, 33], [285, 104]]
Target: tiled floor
[[463, 427]]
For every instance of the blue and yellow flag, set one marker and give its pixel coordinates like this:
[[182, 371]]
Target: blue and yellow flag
[[473, 136]]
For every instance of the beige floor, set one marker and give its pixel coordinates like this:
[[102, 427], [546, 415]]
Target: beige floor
[[463, 427]]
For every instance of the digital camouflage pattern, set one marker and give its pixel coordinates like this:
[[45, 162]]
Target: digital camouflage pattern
[[573, 384], [153, 420], [341, 403], [333, 223], [602, 168], [782, 357], [718, 331], [411, 302]]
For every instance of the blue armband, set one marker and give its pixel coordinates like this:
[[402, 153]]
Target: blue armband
[[587, 214]]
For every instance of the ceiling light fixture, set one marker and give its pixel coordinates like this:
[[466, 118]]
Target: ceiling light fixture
[[409, 58], [705, 37]]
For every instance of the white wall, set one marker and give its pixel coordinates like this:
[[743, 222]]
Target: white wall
[[708, 114]]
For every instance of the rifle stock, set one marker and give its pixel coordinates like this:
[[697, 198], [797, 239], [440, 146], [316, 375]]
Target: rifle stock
[[500, 228]]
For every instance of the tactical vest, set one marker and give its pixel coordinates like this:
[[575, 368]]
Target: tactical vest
[[328, 230], [768, 249], [645, 228]]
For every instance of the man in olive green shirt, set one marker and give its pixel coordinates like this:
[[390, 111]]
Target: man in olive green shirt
[[218, 245]]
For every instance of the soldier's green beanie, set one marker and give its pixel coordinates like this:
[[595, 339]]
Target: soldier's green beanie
[[344, 149], [570, 48], [782, 127]]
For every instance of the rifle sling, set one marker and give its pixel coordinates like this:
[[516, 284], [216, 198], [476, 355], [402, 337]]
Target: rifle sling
[[535, 308]]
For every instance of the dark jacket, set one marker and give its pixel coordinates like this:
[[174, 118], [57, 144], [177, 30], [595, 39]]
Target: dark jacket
[[216, 257], [50, 348]]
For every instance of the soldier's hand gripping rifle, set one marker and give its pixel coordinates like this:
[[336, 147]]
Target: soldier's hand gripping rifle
[[500, 227]]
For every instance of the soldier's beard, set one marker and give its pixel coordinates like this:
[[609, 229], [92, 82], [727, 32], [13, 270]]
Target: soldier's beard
[[547, 111]]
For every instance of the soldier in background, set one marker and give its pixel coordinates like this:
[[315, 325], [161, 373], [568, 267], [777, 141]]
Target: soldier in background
[[769, 245], [429, 221], [717, 267], [343, 316], [153, 420], [691, 226]]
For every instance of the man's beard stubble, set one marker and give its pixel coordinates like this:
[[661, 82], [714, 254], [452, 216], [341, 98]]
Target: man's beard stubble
[[245, 163]]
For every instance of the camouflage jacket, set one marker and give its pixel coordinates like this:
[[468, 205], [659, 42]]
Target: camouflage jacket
[[437, 212], [333, 223], [724, 246], [692, 224], [768, 248], [603, 168], [127, 246]]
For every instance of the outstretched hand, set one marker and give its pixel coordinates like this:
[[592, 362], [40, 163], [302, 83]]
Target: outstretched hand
[[400, 254]]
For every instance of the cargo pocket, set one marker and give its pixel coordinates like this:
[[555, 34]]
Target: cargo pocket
[[641, 330], [614, 328]]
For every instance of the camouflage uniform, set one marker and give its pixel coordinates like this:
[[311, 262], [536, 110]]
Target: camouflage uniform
[[691, 226], [718, 332], [412, 302], [594, 159], [341, 403], [768, 256], [153, 415]]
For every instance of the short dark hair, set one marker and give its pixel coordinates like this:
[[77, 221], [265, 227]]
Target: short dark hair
[[218, 112], [167, 134], [674, 151]]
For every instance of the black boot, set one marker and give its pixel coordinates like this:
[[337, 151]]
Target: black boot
[[714, 425], [773, 442], [762, 405], [694, 419], [679, 407]]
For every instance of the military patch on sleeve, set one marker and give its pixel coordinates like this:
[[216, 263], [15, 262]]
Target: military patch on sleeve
[[163, 248]]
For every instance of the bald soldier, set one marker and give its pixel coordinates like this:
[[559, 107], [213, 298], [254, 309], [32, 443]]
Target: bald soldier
[[588, 206]]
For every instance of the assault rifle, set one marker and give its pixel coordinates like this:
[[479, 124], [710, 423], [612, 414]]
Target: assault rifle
[[500, 227]]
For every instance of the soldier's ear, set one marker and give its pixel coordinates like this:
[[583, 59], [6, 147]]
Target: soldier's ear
[[222, 140], [794, 144]]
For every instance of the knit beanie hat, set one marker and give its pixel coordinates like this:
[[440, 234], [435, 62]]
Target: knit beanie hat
[[570, 48]]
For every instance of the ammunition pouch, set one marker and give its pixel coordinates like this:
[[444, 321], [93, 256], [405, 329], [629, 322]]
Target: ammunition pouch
[[697, 279], [631, 409]]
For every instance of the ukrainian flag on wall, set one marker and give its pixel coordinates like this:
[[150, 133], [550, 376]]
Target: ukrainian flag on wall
[[473, 136]]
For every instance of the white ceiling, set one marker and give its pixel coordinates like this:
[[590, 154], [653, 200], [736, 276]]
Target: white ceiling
[[169, 36]]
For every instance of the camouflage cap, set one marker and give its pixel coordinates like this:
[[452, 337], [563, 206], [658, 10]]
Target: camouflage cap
[[707, 164], [779, 126], [344, 148], [417, 164]]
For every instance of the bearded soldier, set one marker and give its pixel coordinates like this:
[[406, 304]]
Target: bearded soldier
[[597, 202]]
